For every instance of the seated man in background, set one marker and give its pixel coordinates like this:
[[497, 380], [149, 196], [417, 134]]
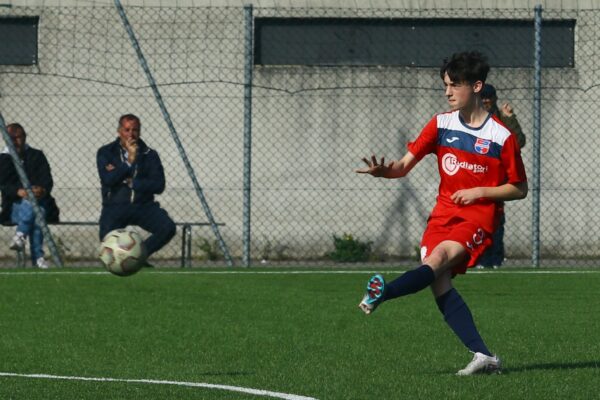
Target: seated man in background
[[131, 174], [16, 207]]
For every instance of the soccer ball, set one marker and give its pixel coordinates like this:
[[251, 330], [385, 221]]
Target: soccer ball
[[122, 252]]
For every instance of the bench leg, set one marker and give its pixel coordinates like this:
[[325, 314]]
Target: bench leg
[[186, 246], [183, 245], [189, 248], [20, 259]]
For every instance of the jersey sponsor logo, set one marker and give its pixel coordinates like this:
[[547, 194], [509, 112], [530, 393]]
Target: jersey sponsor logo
[[482, 146], [452, 139], [451, 165]]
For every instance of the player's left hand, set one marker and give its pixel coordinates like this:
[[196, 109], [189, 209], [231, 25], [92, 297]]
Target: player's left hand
[[467, 196], [507, 110]]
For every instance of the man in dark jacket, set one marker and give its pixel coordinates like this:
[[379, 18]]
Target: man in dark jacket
[[16, 208], [131, 174]]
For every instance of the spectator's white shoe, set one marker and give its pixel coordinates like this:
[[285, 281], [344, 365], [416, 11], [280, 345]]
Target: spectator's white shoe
[[482, 364], [18, 242], [41, 263]]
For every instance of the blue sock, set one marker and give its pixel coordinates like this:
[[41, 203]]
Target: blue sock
[[409, 282], [458, 316]]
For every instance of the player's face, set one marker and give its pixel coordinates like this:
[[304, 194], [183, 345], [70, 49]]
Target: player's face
[[18, 138], [129, 131], [460, 95]]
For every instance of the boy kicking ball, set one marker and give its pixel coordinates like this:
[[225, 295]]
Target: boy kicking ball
[[480, 167]]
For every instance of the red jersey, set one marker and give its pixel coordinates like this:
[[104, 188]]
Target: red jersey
[[467, 158]]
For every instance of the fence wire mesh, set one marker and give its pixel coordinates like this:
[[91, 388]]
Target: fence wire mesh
[[310, 127], [313, 124], [88, 75], [569, 211]]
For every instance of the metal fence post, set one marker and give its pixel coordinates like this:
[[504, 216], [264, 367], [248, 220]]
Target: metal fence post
[[537, 105], [173, 131], [247, 132], [39, 217]]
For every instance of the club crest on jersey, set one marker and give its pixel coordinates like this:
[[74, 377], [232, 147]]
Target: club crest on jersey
[[482, 146]]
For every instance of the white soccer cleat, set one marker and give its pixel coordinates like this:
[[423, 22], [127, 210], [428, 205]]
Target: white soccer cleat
[[18, 242], [365, 306], [41, 263], [482, 364]]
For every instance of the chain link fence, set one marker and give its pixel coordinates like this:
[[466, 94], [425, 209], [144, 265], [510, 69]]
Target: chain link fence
[[310, 127], [569, 211]]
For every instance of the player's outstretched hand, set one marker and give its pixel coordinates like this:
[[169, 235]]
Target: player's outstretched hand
[[374, 168]]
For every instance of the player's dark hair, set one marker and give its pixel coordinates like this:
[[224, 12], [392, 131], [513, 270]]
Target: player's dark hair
[[15, 125], [129, 117], [468, 66]]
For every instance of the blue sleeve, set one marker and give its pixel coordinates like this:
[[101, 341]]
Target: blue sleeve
[[114, 177], [154, 179]]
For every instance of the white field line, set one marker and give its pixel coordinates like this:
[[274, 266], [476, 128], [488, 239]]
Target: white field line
[[258, 392], [354, 272], [291, 272]]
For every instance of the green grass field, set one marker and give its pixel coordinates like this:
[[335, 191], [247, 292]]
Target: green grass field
[[299, 334]]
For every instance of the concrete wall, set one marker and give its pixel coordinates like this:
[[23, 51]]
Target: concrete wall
[[310, 126], [352, 4]]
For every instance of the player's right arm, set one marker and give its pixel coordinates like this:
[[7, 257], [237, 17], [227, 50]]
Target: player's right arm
[[426, 143], [394, 169]]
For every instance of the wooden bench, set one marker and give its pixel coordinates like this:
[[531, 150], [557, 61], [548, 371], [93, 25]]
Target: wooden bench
[[186, 239]]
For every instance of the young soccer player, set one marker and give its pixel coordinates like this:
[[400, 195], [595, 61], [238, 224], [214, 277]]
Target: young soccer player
[[480, 167]]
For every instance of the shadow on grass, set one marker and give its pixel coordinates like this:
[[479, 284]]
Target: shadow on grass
[[556, 366], [552, 366]]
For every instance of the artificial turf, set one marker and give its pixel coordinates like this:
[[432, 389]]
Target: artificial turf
[[293, 333]]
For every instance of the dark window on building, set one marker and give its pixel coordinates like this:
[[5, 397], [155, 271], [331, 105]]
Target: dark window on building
[[408, 42], [18, 40]]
